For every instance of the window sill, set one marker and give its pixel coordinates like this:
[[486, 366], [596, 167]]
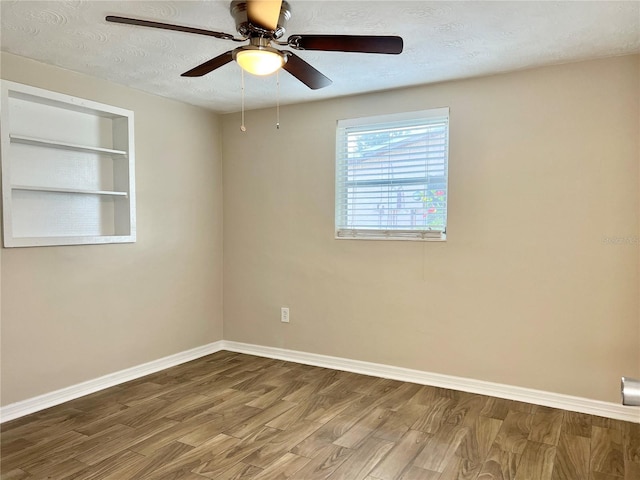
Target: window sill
[[442, 238]]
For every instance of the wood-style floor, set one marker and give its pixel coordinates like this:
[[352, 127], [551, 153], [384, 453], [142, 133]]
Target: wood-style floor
[[232, 416]]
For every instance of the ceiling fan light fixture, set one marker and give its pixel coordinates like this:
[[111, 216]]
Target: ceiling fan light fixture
[[259, 60]]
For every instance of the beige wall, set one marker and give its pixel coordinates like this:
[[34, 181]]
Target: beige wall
[[71, 314], [544, 165]]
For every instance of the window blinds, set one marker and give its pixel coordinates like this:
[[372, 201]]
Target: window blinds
[[391, 176]]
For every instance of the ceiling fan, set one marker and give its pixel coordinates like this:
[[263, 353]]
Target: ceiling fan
[[262, 24]]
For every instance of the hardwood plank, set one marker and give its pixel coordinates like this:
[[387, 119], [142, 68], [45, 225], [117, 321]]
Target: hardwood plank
[[374, 386], [435, 416], [363, 428], [16, 474], [232, 417], [320, 377], [526, 407], [255, 386], [324, 464], [400, 421], [109, 447], [631, 438], [415, 473], [187, 406], [278, 374], [497, 408], [41, 421], [631, 471], [603, 476], [424, 395], [44, 458], [302, 394], [212, 385], [545, 426], [606, 451], [65, 468], [274, 396], [314, 406], [75, 418], [258, 420], [441, 447], [466, 410], [459, 468], [27, 458], [107, 467], [572, 458], [395, 399], [281, 443], [340, 388], [578, 424], [499, 465], [143, 392], [182, 429], [95, 401], [138, 415], [363, 460], [362, 405], [213, 467], [331, 407], [148, 464], [401, 456], [283, 468], [218, 446], [514, 432], [610, 423], [15, 446], [475, 446], [324, 436], [232, 401], [536, 462], [240, 471]]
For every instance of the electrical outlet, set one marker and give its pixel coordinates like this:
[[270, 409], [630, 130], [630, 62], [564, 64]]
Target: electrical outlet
[[284, 314]]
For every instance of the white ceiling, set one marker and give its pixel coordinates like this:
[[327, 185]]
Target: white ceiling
[[444, 40]]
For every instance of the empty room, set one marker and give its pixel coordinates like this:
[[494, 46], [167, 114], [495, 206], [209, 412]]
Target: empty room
[[341, 240]]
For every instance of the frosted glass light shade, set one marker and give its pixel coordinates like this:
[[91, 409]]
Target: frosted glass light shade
[[260, 61]]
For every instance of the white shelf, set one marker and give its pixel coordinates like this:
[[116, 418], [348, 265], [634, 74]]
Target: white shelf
[[41, 142], [69, 190], [77, 186]]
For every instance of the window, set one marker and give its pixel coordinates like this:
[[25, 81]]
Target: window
[[391, 176]]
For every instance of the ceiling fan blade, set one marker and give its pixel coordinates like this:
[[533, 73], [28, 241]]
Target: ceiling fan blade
[[264, 13], [168, 26], [304, 72], [210, 65], [348, 43]]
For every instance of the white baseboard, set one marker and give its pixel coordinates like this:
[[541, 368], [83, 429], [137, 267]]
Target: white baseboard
[[539, 397], [549, 399], [35, 404]]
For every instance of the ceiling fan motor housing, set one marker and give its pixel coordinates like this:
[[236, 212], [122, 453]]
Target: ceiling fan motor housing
[[247, 29]]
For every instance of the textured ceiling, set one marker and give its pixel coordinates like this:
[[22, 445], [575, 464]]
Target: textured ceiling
[[443, 41]]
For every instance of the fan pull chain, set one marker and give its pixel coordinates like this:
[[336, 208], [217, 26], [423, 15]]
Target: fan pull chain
[[242, 127], [278, 99]]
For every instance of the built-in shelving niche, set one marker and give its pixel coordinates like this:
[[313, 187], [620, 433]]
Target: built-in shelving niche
[[67, 169]]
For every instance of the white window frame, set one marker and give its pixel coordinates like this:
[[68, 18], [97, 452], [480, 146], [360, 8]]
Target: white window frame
[[349, 126]]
